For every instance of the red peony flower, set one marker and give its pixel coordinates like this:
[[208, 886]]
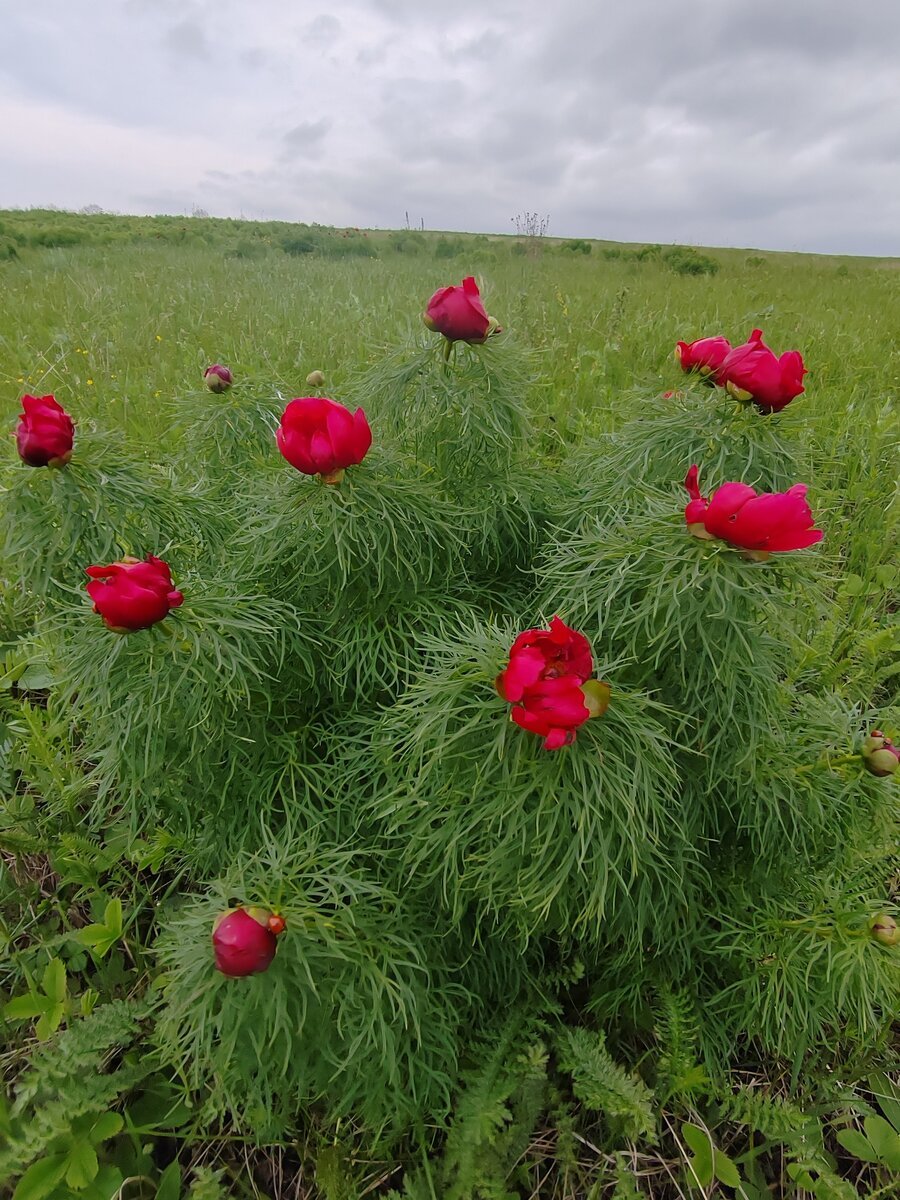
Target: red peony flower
[[244, 940], [218, 378], [704, 356], [880, 755], [761, 523], [321, 437], [131, 595], [753, 372], [457, 313], [545, 654], [547, 681], [45, 433]]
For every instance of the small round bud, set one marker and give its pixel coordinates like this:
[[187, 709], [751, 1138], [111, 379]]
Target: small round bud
[[885, 930], [880, 755], [315, 379], [277, 923], [218, 378]]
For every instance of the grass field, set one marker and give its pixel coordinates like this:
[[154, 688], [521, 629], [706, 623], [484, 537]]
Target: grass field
[[469, 1002]]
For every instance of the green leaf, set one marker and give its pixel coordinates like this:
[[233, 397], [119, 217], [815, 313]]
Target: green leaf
[[701, 1165], [857, 1144], [170, 1183], [885, 1141], [22, 1007], [725, 1170], [107, 1125], [854, 585], [41, 1178], [99, 938], [49, 1022], [887, 1093], [81, 1165], [54, 981], [112, 917]]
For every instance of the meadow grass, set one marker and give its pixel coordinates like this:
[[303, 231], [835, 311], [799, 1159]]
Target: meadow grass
[[118, 317]]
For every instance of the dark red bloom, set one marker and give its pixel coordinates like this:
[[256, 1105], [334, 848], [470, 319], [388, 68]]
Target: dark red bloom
[[244, 941], [705, 356], [457, 313], [321, 437], [553, 709], [545, 654], [45, 433], [131, 595], [547, 682], [218, 378], [763, 523], [753, 372]]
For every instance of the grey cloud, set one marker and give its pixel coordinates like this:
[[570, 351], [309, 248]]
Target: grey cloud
[[186, 38], [323, 31], [306, 138], [711, 121]]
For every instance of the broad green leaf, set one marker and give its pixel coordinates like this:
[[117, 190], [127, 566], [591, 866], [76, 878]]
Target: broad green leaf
[[107, 1185], [22, 1007], [701, 1165], [112, 917], [725, 1170], [854, 585], [98, 937], [54, 981], [49, 1022], [887, 1093], [107, 1125], [857, 1144], [81, 1165], [885, 1141], [41, 1178], [170, 1183]]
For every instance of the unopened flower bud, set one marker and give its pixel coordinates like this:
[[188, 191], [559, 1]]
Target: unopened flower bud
[[244, 941], [315, 379], [218, 378], [884, 929], [880, 755]]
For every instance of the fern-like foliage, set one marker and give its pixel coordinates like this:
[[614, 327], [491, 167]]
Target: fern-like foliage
[[69, 1078], [603, 1086]]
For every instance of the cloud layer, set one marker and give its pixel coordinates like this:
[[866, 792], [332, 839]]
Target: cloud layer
[[715, 122]]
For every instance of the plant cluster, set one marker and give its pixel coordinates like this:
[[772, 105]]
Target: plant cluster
[[404, 778]]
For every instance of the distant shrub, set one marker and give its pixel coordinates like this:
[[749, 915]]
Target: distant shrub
[[7, 249], [348, 245], [684, 260], [611, 252], [247, 248], [577, 246], [406, 243], [519, 249], [755, 260], [51, 239], [298, 245], [651, 253], [843, 271], [449, 248]]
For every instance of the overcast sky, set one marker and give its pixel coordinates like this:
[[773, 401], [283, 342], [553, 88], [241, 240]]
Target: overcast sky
[[769, 123]]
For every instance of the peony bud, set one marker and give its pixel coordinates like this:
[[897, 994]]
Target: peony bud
[[880, 755], [131, 595], [244, 940], [218, 378], [45, 433], [884, 929], [315, 379]]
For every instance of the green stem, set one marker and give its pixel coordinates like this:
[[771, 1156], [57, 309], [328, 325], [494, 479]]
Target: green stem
[[828, 763]]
